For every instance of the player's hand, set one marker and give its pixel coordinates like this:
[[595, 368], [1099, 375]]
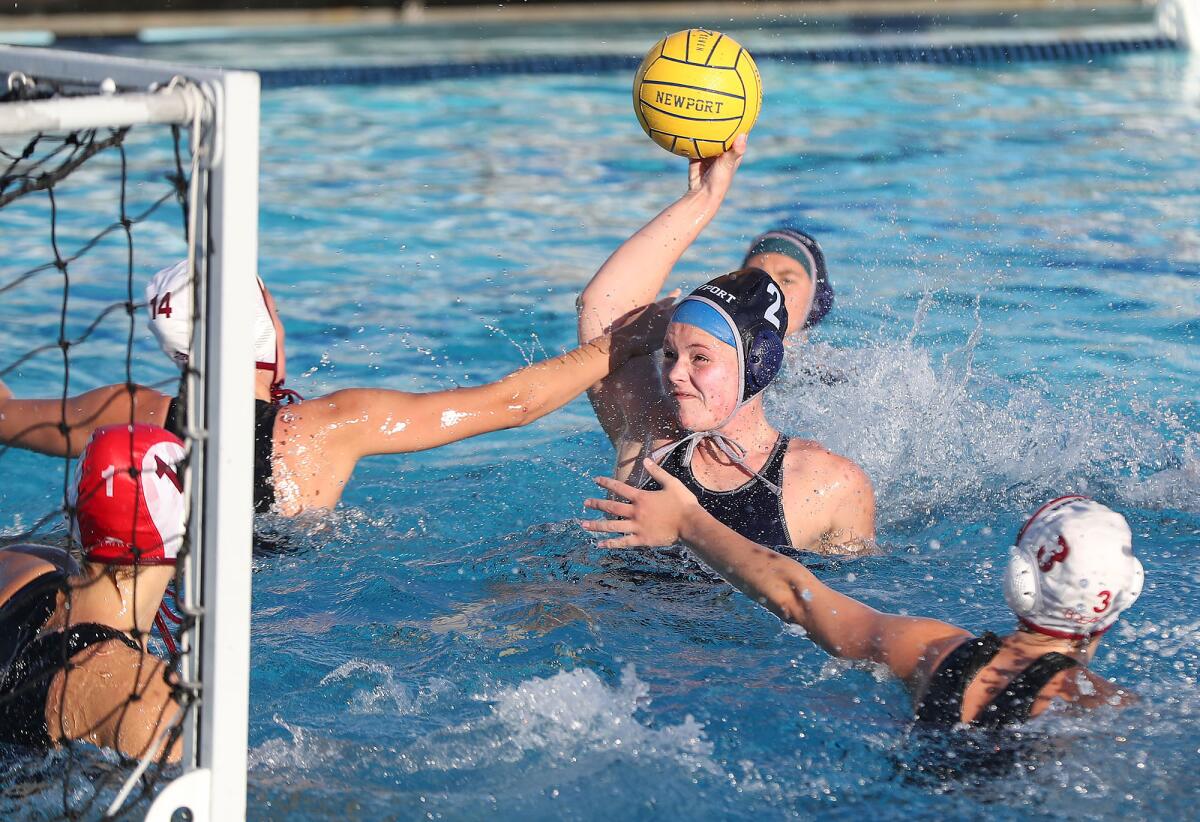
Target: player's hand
[[714, 175], [645, 517]]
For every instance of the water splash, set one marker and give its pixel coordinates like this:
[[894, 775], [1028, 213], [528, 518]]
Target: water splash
[[315, 529], [563, 718], [304, 750], [386, 694], [952, 439]]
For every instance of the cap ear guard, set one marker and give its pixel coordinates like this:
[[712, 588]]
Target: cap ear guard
[[764, 358], [1131, 594], [1022, 584]]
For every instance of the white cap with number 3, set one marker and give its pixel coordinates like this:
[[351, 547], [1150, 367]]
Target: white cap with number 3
[[1072, 571]]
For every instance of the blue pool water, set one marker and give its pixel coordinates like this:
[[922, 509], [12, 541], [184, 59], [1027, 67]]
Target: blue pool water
[[1015, 252]]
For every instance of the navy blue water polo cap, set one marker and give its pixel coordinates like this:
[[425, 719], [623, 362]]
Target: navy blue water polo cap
[[804, 249], [744, 309]]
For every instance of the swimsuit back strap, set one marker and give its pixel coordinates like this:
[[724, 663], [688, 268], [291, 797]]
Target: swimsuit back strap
[[942, 704], [773, 468], [1014, 703], [57, 649], [24, 614]]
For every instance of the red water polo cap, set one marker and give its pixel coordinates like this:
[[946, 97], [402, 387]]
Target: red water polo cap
[[130, 517]]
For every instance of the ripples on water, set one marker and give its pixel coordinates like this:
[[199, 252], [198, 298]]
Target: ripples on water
[[1015, 252]]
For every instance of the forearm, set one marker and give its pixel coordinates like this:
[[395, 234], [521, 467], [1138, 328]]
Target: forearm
[[537, 389], [38, 425], [637, 270], [782, 585], [400, 422]]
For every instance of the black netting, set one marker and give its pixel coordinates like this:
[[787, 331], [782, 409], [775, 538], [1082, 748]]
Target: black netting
[[85, 218]]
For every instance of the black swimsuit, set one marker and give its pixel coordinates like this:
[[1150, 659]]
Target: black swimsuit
[[31, 662], [754, 510], [264, 447], [942, 705]]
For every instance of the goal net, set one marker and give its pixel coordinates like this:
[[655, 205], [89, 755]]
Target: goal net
[[111, 169]]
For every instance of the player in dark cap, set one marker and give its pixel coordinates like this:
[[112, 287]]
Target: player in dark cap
[[795, 261], [700, 416]]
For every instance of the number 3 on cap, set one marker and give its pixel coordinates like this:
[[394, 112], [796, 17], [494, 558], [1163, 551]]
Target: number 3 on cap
[[772, 314]]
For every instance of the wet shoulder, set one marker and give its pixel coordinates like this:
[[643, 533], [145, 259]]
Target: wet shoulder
[[812, 464], [18, 569]]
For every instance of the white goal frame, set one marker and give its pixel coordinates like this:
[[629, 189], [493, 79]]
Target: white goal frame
[[220, 416]]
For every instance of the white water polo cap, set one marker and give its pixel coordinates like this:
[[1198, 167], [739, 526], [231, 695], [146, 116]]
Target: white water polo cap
[[1072, 571], [169, 303]]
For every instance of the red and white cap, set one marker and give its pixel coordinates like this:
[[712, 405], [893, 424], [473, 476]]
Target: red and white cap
[[1072, 571], [169, 303], [127, 500]]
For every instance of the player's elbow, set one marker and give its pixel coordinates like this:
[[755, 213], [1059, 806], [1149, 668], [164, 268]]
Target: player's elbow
[[596, 312], [789, 599], [512, 407]]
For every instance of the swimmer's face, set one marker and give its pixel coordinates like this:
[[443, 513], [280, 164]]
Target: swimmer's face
[[700, 375], [793, 280]]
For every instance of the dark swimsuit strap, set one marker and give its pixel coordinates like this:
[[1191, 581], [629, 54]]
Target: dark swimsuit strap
[[1014, 703], [26, 611], [773, 468], [942, 704]]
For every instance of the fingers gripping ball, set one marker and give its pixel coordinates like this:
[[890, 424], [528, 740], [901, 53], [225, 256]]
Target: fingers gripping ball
[[696, 91]]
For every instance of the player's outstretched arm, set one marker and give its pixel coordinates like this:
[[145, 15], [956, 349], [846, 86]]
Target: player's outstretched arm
[[379, 421], [38, 425], [636, 272], [841, 625]]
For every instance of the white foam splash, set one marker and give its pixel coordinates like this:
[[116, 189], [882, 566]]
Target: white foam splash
[[564, 717], [386, 693], [18, 526], [302, 752], [933, 437]]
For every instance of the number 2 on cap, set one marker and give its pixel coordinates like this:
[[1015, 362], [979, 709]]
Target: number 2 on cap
[[771, 315]]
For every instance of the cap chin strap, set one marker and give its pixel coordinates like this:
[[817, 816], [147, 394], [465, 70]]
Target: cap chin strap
[[1056, 634], [278, 392], [166, 616], [725, 444]]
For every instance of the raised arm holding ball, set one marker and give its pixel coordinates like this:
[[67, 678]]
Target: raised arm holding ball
[[700, 414]]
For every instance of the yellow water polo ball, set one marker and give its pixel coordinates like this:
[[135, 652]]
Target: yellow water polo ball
[[696, 91]]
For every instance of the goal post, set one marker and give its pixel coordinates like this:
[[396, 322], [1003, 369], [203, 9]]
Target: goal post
[[220, 111]]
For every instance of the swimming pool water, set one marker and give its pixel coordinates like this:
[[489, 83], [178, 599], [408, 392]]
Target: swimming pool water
[[1015, 254]]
